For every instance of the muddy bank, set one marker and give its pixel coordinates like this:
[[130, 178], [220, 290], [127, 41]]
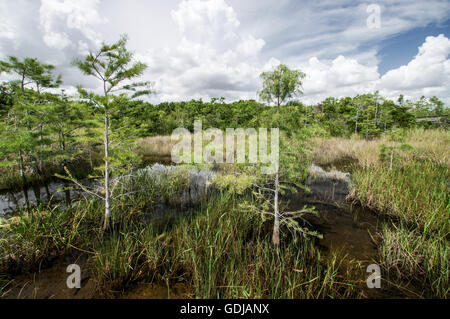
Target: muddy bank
[[51, 284]]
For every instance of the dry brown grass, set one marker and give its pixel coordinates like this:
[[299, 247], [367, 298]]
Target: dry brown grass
[[155, 146], [431, 144], [330, 150]]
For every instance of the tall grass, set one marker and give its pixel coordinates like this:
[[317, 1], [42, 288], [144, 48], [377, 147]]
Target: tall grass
[[220, 252], [416, 246], [33, 241], [214, 249], [420, 258], [229, 254], [431, 144], [155, 146], [415, 194]]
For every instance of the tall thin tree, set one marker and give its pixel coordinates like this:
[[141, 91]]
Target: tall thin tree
[[114, 67], [280, 85]]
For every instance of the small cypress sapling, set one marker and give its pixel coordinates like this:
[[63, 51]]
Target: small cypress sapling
[[114, 68], [279, 86]]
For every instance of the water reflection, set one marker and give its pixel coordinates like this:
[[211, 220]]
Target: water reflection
[[11, 202], [66, 192]]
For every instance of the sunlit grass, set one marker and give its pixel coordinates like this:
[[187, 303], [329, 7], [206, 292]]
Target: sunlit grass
[[414, 194]]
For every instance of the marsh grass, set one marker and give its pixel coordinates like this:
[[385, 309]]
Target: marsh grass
[[420, 258], [424, 201], [427, 144], [415, 194], [220, 252], [4, 281], [236, 262], [155, 147], [33, 240], [213, 248], [415, 247]]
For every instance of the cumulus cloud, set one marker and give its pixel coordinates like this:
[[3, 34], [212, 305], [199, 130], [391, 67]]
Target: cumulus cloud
[[428, 72], [219, 47], [327, 29], [7, 31], [340, 77], [214, 58], [57, 17]]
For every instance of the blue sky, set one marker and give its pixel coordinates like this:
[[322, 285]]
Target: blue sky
[[401, 49], [214, 48]]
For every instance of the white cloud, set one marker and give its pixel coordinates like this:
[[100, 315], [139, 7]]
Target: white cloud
[[58, 17], [203, 49], [7, 31], [8, 27], [214, 58], [327, 29], [217, 58], [430, 68], [428, 73], [340, 77], [57, 40]]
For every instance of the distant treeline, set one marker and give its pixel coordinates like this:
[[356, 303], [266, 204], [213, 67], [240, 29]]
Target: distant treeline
[[368, 115]]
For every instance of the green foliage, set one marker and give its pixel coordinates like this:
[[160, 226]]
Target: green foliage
[[232, 183], [415, 244], [281, 84], [114, 67]]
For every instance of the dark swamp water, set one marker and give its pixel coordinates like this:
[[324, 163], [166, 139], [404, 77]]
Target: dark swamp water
[[54, 192], [348, 230]]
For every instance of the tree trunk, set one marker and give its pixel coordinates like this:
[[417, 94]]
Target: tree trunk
[[40, 164], [107, 194], [376, 114], [91, 163], [22, 169], [63, 142], [276, 224], [47, 191], [24, 180], [392, 158]]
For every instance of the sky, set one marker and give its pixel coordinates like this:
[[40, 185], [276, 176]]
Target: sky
[[218, 48]]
